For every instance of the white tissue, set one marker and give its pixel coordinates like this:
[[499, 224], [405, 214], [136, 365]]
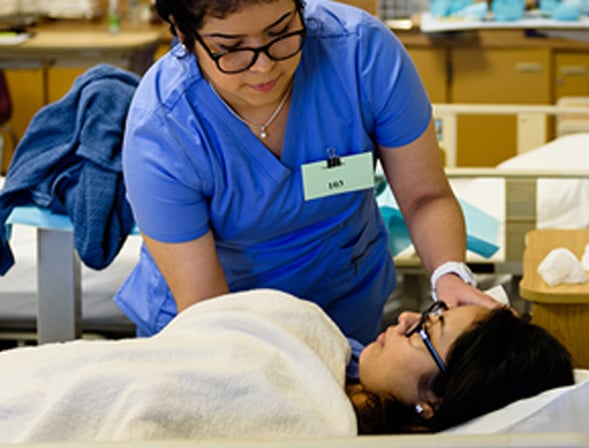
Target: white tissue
[[561, 266], [499, 294], [585, 259]]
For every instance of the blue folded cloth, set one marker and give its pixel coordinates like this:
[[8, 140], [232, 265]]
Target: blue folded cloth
[[69, 161], [482, 229]]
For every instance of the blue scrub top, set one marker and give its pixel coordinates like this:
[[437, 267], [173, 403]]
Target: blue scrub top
[[190, 165]]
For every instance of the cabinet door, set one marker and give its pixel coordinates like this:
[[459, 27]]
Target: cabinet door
[[61, 80], [28, 96], [26, 92], [432, 66], [495, 76], [571, 72]]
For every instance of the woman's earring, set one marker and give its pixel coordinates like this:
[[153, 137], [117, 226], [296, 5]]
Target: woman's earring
[[418, 408]]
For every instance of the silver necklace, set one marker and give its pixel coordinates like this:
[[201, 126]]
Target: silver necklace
[[269, 121]]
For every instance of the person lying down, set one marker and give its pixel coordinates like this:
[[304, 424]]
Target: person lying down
[[264, 364]]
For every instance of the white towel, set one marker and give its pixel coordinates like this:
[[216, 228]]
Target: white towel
[[585, 258], [260, 364], [561, 266], [498, 293]]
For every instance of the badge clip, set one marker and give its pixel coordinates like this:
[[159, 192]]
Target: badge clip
[[333, 159]]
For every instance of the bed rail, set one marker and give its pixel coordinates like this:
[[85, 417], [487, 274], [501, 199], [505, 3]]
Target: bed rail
[[532, 123], [520, 204], [532, 440]]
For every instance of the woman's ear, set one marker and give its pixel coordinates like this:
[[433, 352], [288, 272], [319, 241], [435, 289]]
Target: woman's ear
[[429, 406]]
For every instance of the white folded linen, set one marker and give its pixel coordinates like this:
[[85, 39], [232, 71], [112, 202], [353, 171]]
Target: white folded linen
[[259, 364], [561, 266], [499, 294], [585, 258]]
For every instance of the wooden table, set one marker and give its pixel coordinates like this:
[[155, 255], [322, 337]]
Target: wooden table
[[131, 50], [562, 309]]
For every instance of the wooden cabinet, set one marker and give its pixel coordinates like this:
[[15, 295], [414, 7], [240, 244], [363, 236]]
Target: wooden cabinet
[[26, 92], [500, 76], [367, 5], [492, 67], [32, 88], [432, 65], [61, 80], [571, 73]]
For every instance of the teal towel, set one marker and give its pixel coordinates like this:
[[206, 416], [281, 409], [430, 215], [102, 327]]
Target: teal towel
[[482, 229]]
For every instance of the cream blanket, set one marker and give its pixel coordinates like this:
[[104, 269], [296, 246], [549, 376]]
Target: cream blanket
[[259, 364]]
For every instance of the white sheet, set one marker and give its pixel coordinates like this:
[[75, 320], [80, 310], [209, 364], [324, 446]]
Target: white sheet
[[18, 288], [259, 364], [254, 365], [561, 203], [564, 409]]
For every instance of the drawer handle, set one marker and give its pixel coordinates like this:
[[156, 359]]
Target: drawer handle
[[573, 70], [528, 67]]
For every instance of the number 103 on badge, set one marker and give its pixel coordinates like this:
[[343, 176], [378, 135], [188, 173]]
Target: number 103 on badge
[[351, 173]]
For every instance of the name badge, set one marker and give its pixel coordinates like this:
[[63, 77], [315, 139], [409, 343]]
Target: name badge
[[338, 175]]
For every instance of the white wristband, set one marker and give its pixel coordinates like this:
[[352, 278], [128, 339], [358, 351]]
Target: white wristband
[[451, 267]]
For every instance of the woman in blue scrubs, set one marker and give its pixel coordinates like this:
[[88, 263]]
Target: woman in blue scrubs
[[249, 154]]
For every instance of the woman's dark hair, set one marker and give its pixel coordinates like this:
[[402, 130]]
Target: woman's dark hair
[[189, 15], [498, 360], [501, 359]]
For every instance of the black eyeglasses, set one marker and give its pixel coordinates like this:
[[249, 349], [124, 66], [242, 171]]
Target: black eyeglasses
[[434, 310], [241, 59]]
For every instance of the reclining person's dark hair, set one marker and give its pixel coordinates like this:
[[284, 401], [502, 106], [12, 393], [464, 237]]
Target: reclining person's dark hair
[[501, 360], [498, 360]]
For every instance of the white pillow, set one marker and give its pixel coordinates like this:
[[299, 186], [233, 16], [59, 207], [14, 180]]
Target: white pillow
[[564, 409]]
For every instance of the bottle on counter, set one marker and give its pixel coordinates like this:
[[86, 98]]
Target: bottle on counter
[[114, 17]]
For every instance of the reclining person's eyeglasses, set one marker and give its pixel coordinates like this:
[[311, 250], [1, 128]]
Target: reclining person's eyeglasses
[[241, 59], [434, 310]]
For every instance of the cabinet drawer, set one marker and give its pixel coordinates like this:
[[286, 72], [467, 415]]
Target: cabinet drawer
[[495, 76], [501, 76], [571, 74]]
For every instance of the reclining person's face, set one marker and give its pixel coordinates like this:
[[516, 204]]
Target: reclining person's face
[[397, 366]]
